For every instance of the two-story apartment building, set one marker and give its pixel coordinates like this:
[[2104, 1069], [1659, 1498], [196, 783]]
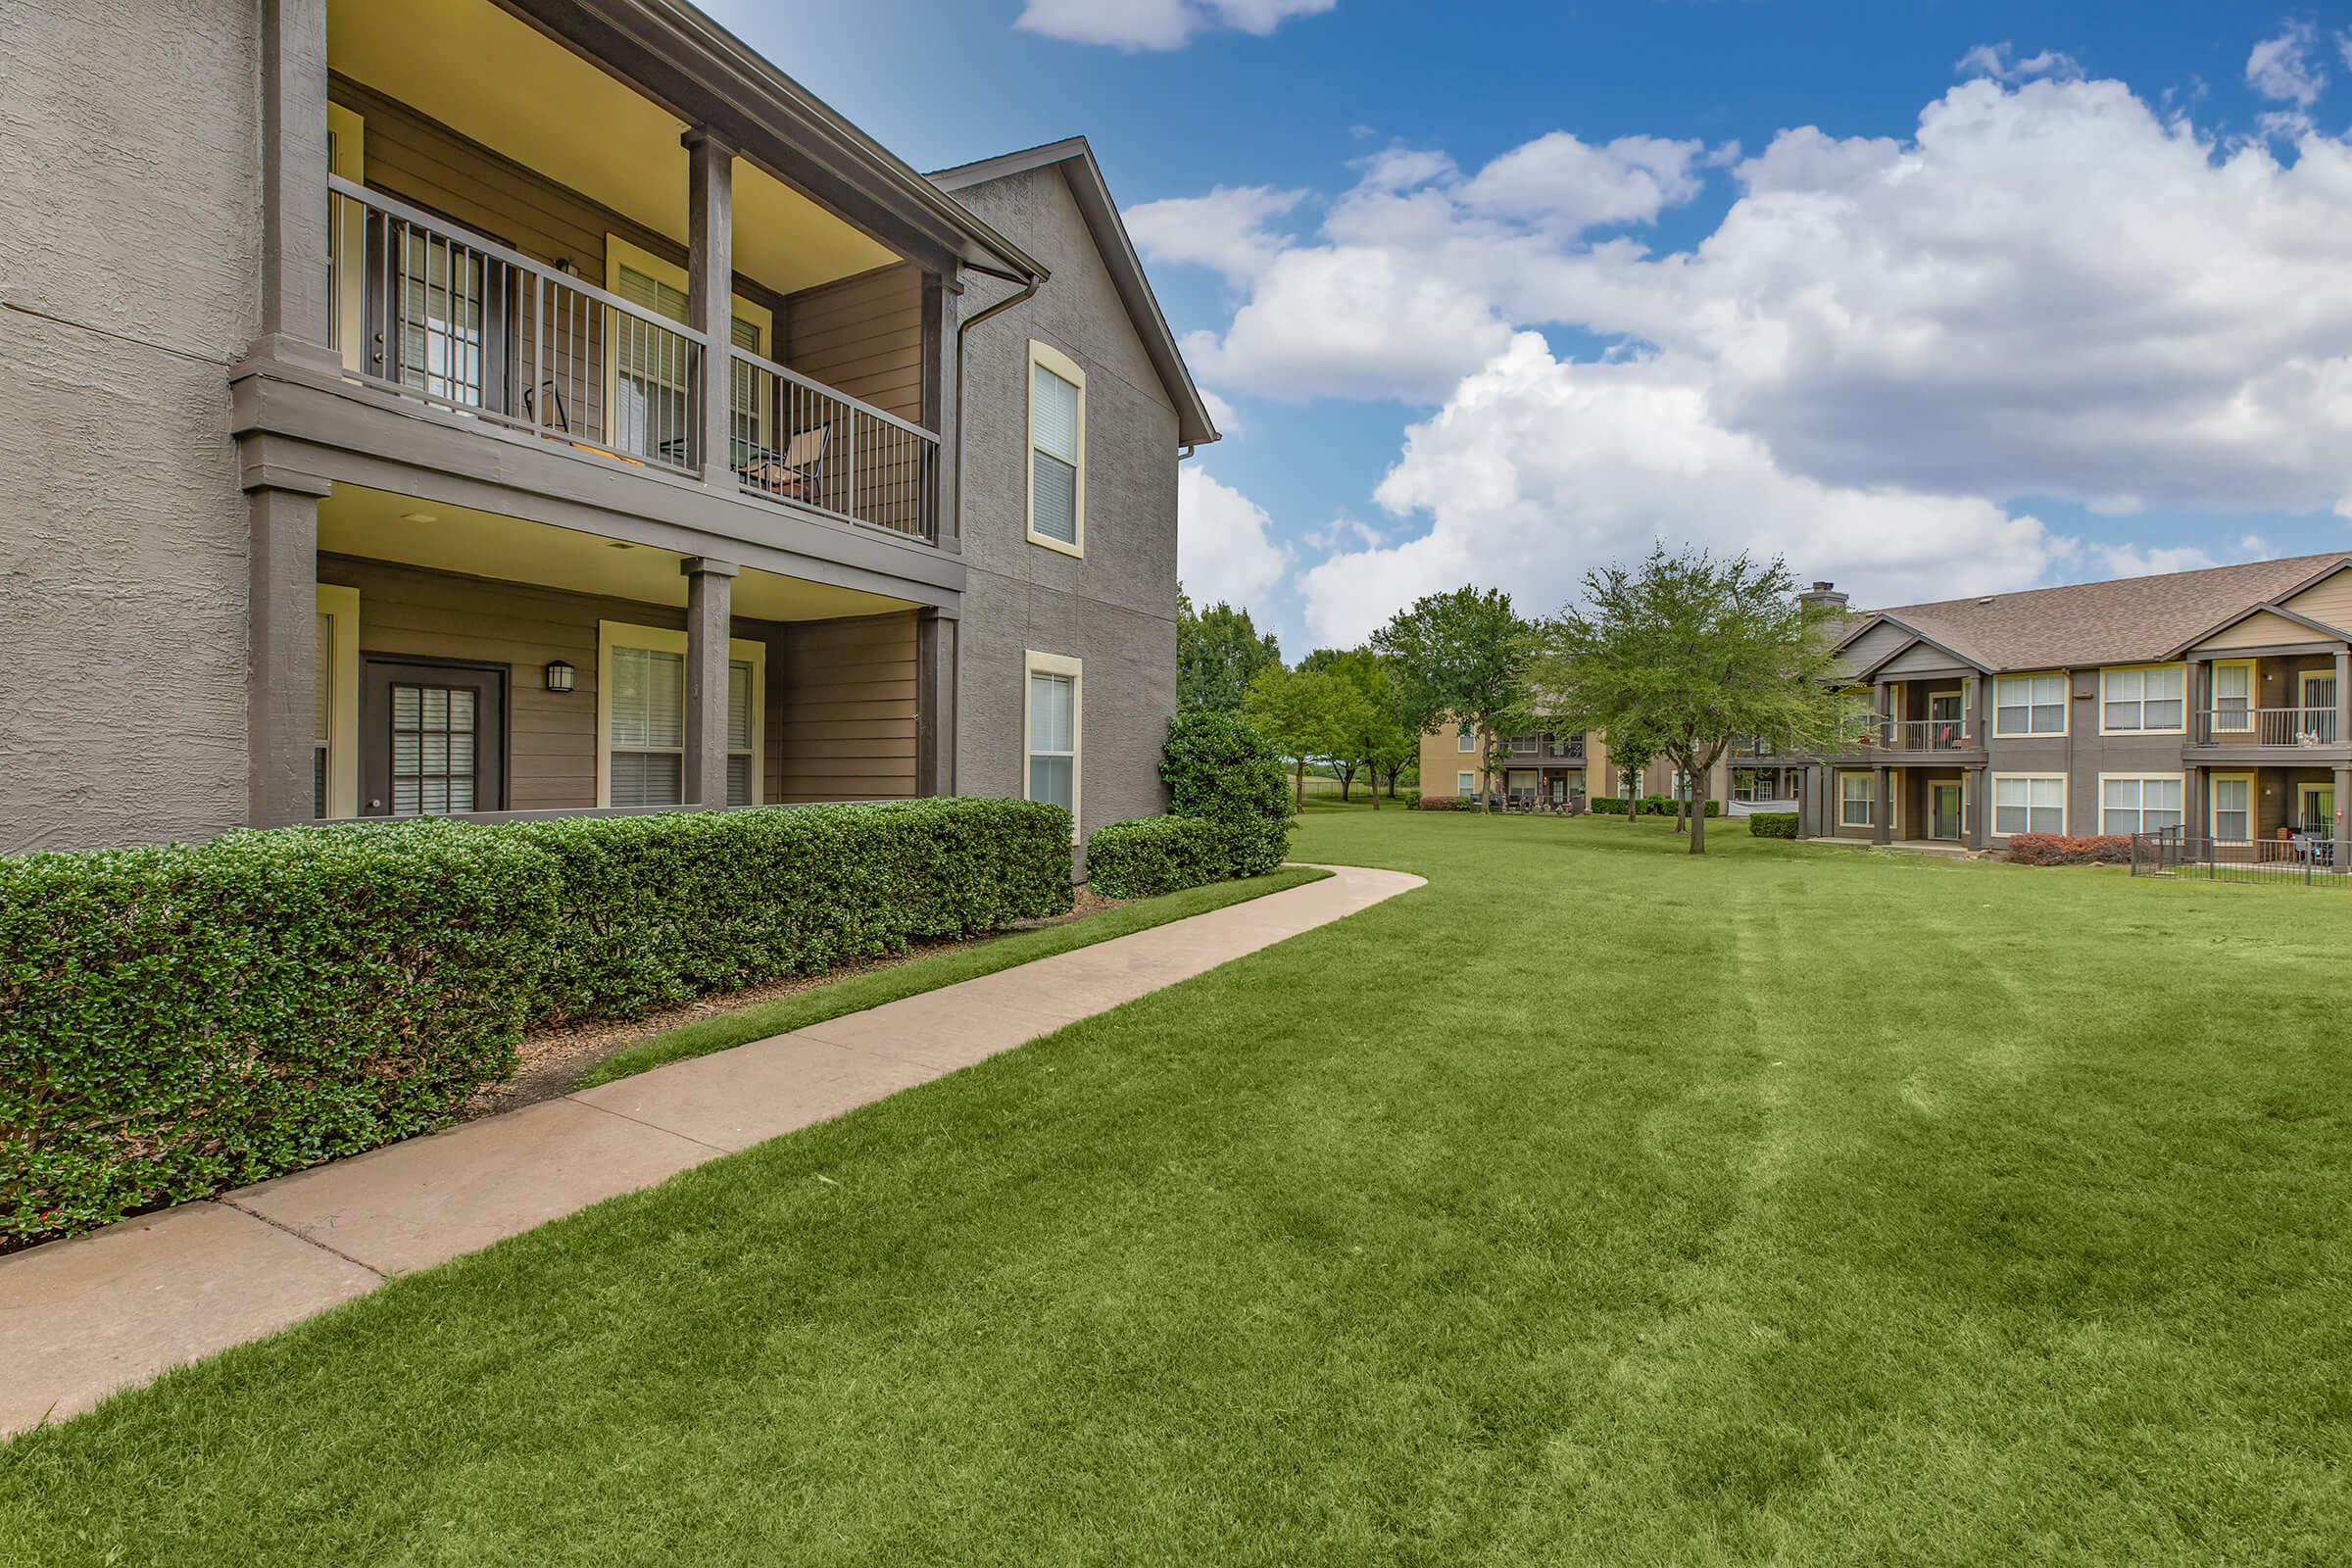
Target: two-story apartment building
[[470, 406], [2218, 702], [1550, 767]]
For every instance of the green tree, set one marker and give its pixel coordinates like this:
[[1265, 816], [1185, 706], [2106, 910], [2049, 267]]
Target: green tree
[[1690, 651], [1632, 749], [1463, 655], [1377, 737], [1305, 712], [1218, 654]]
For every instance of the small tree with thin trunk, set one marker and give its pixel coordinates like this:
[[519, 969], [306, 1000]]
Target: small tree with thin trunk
[[1463, 655], [1632, 749], [1693, 649], [1305, 712]]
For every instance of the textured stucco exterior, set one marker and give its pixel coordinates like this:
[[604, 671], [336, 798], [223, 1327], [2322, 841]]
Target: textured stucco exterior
[[1115, 609], [129, 285]]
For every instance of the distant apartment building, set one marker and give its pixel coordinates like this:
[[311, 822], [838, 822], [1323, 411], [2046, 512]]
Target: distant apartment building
[[2215, 701]]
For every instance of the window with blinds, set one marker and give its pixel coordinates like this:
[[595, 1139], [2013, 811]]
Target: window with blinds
[[648, 706], [1055, 403], [441, 319], [432, 750], [1052, 738]]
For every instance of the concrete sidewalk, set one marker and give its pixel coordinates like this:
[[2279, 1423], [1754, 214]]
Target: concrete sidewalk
[[80, 1319]]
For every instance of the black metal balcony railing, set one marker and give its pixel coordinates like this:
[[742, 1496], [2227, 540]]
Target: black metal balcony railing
[[1906, 736], [2313, 858], [424, 308], [2266, 726]]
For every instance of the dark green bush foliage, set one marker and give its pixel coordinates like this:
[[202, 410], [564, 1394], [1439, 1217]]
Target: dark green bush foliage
[[1155, 854], [1648, 805], [1771, 824], [179, 1020], [658, 910], [1218, 767], [1441, 802]]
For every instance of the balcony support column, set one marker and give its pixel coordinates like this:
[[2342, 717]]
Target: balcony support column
[[293, 125], [2343, 803], [1882, 816], [2200, 700], [710, 291], [2343, 702], [935, 703], [2195, 782], [281, 652], [1978, 803], [709, 595]]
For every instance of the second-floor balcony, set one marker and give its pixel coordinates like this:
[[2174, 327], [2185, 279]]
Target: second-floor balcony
[[1907, 738], [2288, 728], [430, 309]]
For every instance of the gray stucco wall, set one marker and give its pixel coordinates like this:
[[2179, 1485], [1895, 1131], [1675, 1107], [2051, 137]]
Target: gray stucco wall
[[129, 174], [1116, 608]]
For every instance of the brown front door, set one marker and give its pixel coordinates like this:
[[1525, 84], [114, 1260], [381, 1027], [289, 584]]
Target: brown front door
[[432, 738]]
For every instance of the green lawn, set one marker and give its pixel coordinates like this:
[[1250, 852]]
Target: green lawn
[[1593, 1205]]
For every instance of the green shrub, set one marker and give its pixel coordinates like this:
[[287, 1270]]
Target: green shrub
[[2058, 849], [660, 909], [179, 1020], [1440, 803], [1218, 767], [183, 1018], [1156, 855], [1771, 824]]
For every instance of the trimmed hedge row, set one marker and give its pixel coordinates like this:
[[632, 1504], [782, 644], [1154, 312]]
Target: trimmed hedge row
[[2057, 848], [660, 909], [1154, 855], [1650, 806], [1771, 824], [183, 1018]]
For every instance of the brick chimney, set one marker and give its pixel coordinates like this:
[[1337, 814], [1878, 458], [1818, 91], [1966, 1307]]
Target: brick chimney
[[1823, 595]]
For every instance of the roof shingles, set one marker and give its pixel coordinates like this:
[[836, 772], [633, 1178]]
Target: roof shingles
[[2121, 621]]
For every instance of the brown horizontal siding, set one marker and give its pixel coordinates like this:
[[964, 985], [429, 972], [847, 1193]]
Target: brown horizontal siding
[[412, 613], [864, 336], [841, 710]]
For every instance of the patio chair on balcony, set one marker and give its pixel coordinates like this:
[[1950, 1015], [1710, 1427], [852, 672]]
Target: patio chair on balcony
[[794, 473]]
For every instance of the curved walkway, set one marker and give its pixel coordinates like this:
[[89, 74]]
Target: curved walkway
[[80, 1319]]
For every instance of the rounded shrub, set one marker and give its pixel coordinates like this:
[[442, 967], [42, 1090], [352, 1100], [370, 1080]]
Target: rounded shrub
[[1771, 824], [1154, 855], [1219, 768]]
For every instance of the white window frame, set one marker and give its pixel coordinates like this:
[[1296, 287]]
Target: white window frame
[[2213, 806], [1033, 664], [1465, 783], [2212, 699], [341, 655], [2143, 779], [2028, 780], [2065, 701], [1870, 798], [1465, 739], [1046, 356], [2110, 672], [611, 634]]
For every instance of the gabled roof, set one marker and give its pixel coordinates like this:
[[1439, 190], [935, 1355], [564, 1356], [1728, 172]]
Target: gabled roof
[[1915, 640], [1076, 159], [2323, 632], [2121, 621]]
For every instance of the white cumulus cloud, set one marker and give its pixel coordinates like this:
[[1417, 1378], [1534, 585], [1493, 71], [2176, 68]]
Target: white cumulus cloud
[[1539, 468], [1223, 549], [1137, 24], [2284, 67]]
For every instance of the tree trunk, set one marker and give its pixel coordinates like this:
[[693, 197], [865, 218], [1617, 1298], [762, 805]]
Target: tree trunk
[[1698, 827], [1300, 781]]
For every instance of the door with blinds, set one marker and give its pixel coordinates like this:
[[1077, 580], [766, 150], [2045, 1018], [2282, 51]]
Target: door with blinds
[[432, 738], [652, 405]]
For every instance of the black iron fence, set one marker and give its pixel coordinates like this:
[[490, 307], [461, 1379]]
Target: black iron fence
[[2313, 859]]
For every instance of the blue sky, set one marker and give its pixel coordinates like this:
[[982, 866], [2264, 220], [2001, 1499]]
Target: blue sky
[[1497, 291]]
